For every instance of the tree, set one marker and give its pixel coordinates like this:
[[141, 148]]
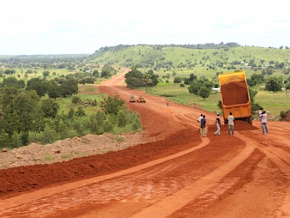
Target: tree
[[194, 87], [40, 86], [251, 62], [267, 71], [12, 81], [49, 108], [9, 71], [45, 73], [53, 90], [11, 123], [177, 80], [134, 78], [192, 77], [105, 73], [68, 87], [274, 84], [27, 106], [257, 79], [29, 71], [7, 98], [96, 73], [255, 106], [203, 92], [147, 79]]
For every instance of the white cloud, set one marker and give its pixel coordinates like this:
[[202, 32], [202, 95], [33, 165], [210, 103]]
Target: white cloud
[[63, 26]]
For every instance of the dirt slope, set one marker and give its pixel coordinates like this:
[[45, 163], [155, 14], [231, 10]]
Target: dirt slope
[[176, 174]]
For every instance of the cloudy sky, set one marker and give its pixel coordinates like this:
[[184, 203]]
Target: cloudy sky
[[83, 26]]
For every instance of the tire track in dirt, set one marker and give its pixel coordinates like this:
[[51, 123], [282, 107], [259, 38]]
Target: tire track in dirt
[[165, 179], [170, 204], [282, 160], [17, 201]]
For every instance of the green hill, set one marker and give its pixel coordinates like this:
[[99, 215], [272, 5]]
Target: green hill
[[199, 58]]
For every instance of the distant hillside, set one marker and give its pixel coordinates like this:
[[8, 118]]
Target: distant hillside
[[211, 56], [42, 58]]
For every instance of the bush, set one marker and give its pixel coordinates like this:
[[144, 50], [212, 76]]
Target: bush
[[63, 130], [49, 135], [219, 104], [108, 127], [79, 128], [181, 85], [177, 80], [122, 119], [80, 112], [76, 100], [4, 140], [283, 114], [112, 105], [16, 141], [24, 139], [136, 125]]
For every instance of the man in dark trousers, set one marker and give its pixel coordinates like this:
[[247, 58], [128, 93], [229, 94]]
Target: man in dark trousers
[[203, 126]]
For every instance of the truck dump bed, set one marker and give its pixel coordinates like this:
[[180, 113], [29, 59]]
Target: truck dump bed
[[235, 96]]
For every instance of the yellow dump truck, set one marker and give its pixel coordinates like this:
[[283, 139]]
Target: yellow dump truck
[[235, 96]]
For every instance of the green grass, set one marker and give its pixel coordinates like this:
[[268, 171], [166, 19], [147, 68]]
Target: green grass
[[274, 102], [182, 96], [85, 92]]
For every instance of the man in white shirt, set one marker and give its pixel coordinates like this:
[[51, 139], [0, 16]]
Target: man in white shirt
[[263, 118], [231, 123], [199, 120]]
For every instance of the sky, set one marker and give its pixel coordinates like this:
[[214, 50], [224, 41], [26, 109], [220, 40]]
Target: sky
[[29, 27]]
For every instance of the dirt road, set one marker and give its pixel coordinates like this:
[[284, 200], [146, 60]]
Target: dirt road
[[176, 174]]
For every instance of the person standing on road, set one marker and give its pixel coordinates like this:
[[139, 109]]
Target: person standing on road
[[199, 120], [263, 118], [203, 126], [231, 119], [218, 124]]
